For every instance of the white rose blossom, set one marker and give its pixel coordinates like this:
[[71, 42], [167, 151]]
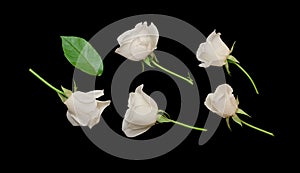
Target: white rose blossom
[[143, 113], [223, 103], [214, 52], [139, 43], [84, 109], [136, 44]]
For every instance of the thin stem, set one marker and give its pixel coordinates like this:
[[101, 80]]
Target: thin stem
[[45, 82], [259, 129], [143, 67], [188, 126], [190, 81], [246, 75]]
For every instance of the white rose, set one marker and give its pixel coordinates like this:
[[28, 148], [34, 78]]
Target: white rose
[[136, 44], [84, 109], [213, 52], [141, 113], [222, 101]]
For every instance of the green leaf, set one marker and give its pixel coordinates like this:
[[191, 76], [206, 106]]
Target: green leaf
[[162, 119], [232, 46], [67, 92], [148, 61], [227, 68], [82, 55], [228, 124], [62, 97], [75, 86], [240, 111], [232, 58], [237, 101], [154, 57], [237, 119], [164, 113]]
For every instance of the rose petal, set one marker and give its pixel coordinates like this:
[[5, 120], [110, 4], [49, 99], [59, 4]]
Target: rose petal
[[84, 109], [222, 101], [130, 34], [153, 31], [132, 130], [101, 105], [77, 107], [124, 51], [204, 56], [218, 45], [140, 49], [209, 104], [96, 93], [143, 110], [213, 52], [71, 119], [141, 118], [136, 44], [84, 97]]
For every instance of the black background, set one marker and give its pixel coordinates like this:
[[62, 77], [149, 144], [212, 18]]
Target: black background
[[38, 132]]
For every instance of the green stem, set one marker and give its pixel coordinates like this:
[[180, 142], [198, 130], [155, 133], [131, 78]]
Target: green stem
[[235, 63], [259, 129], [185, 125], [190, 81], [45, 82]]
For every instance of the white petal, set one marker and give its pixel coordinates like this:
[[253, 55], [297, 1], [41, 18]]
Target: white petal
[[131, 100], [96, 116], [141, 114], [93, 122], [128, 35], [141, 30], [80, 104], [141, 118], [209, 104], [132, 130], [201, 53], [96, 93], [84, 97], [136, 44], [145, 107], [230, 106], [82, 108], [218, 45], [224, 88], [71, 119], [153, 31], [223, 100], [70, 104], [206, 54], [218, 62], [139, 89], [219, 103], [138, 96], [124, 50], [140, 49], [82, 119], [101, 105]]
